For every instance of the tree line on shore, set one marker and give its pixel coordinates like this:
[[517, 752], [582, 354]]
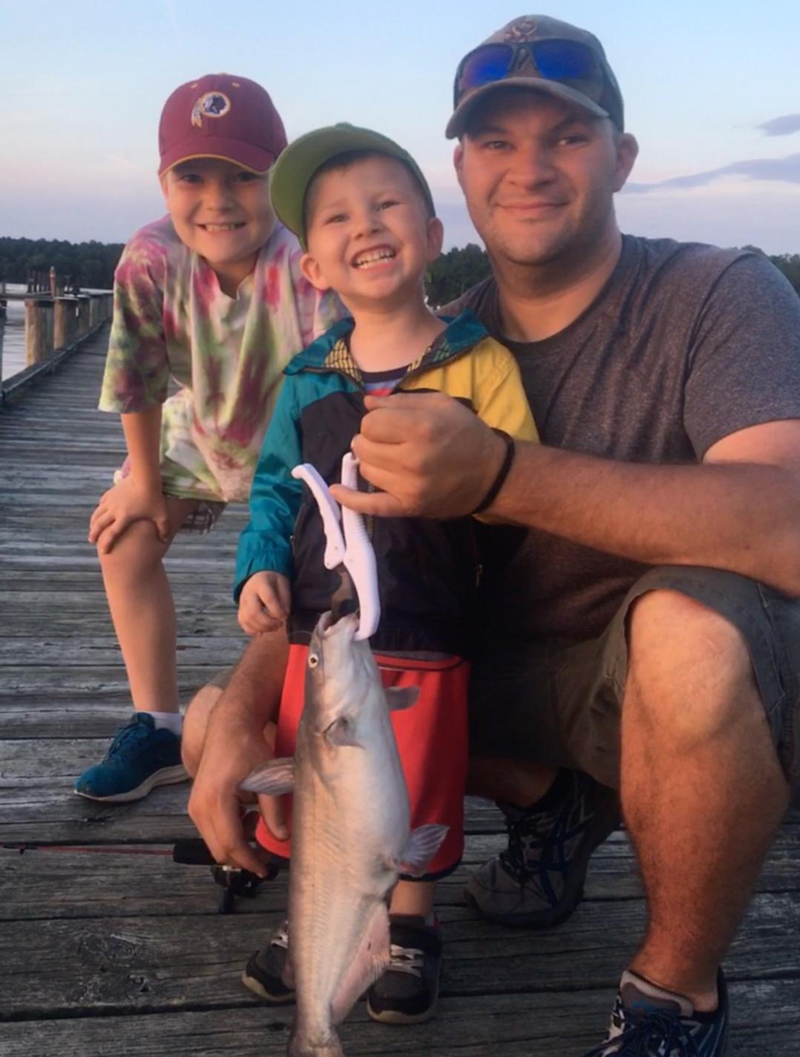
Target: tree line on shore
[[89, 264], [92, 264]]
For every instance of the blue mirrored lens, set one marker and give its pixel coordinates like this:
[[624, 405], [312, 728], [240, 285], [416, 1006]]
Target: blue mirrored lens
[[489, 63], [564, 60]]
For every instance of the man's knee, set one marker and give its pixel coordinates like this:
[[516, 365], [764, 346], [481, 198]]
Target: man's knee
[[195, 724], [689, 669]]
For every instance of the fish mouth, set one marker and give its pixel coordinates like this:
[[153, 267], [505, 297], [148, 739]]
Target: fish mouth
[[329, 622], [344, 599]]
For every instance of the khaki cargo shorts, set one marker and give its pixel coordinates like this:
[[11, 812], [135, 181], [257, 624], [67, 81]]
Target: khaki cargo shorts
[[559, 702]]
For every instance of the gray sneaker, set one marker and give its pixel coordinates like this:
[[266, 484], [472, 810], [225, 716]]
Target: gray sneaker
[[537, 881], [267, 970]]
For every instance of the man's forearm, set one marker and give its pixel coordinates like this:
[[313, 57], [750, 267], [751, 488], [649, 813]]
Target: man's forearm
[[252, 697], [741, 517]]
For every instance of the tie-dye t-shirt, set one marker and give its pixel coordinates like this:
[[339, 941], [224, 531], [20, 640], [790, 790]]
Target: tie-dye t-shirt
[[172, 321]]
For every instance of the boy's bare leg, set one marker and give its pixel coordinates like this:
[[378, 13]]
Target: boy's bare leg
[[414, 898], [143, 610]]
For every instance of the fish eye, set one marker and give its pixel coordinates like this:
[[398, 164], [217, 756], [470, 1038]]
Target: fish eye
[[313, 660]]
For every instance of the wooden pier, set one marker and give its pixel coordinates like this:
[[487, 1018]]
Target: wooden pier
[[58, 317], [115, 951]]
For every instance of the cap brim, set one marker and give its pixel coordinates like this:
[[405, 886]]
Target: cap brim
[[297, 164], [457, 123], [243, 154]]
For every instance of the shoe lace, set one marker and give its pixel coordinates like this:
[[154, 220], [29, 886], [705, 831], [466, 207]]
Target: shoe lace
[[535, 845], [647, 1034], [280, 938], [126, 740], [406, 960]]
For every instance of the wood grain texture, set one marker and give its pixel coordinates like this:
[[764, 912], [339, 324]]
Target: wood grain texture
[[119, 953]]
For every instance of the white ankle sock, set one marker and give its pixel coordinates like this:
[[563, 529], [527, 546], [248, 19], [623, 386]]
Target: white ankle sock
[[168, 721]]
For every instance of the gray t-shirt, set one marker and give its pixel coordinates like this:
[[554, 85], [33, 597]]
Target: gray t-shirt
[[685, 344]]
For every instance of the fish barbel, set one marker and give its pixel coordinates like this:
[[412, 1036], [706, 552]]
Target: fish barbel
[[350, 832]]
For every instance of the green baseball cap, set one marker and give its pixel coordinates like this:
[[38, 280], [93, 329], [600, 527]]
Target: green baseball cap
[[295, 168]]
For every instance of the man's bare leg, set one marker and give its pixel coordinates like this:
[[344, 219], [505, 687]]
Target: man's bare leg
[[702, 788], [517, 782], [195, 725], [224, 739]]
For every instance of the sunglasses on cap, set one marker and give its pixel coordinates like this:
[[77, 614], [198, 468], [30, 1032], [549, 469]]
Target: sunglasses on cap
[[566, 61]]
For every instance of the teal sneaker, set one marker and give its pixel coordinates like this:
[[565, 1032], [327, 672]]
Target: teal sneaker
[[138, 759]]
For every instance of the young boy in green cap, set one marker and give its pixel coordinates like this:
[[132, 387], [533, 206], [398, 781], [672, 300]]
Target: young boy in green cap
[[365, 216], [211, 297]]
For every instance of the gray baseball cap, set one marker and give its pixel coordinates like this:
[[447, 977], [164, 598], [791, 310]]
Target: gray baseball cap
[[541, 53]]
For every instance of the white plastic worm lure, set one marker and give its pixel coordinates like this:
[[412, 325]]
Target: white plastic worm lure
[[352, 549]]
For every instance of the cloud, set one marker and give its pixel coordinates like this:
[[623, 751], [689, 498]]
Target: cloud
[[781, 126], [783, 170]]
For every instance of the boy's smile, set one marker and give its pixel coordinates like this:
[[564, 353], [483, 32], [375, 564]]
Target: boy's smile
[[368, 232], [222, 212]]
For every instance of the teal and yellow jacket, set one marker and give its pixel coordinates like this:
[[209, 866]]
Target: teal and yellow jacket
[[427, 570]]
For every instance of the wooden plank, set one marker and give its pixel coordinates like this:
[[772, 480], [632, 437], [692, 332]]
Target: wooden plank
[[90, 679], [41, 884], [101, 964], [764, 1024]]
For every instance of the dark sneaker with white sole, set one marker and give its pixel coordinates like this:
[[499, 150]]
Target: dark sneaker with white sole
[[537, 881], [408, 990], [648, 1021], [139, 758], [264, 971]]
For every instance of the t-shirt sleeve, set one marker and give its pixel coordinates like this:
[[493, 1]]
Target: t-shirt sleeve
[[137, 369], [266, 541], [744, 365]]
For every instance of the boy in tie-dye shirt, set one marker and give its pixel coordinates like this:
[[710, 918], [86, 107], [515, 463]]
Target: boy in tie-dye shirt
[[210, 299]]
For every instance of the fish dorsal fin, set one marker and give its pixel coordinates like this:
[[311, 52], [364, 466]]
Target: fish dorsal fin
[[421, 848], [399, 698], [368, 963], [274, 778]]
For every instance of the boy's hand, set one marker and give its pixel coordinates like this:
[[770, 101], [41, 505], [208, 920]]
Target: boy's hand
[[264, 603], [123, 504]]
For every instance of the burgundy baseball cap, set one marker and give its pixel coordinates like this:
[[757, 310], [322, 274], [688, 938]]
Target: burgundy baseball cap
[[220, 116]]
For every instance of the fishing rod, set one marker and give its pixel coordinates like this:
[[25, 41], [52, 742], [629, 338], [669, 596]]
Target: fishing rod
[[190, 851]]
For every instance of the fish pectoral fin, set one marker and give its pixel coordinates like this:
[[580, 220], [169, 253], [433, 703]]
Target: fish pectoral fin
[[369, 962], [274, 778], [422, 845], [341, 732], [401, 697]]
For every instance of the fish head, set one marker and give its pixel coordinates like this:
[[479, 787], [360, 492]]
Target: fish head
[[342, 678]]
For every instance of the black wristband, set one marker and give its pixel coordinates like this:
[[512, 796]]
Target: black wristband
[[502, 473]]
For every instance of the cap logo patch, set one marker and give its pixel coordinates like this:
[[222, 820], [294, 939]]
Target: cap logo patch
[[212, 104], [520, 30]]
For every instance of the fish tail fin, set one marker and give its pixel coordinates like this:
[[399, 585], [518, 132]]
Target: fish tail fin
[[306, 1045]]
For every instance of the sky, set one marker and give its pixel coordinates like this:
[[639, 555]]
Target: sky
[[711, 88]]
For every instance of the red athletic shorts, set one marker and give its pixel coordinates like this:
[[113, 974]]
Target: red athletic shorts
[[431, 739]]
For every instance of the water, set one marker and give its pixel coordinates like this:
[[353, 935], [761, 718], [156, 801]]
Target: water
[[12, 334]]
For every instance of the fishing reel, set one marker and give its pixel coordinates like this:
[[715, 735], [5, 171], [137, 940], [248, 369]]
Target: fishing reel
[[233, 880]]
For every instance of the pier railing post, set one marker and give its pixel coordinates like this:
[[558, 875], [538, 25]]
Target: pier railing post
[[38, 329], [64, 324], [84, 302]]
